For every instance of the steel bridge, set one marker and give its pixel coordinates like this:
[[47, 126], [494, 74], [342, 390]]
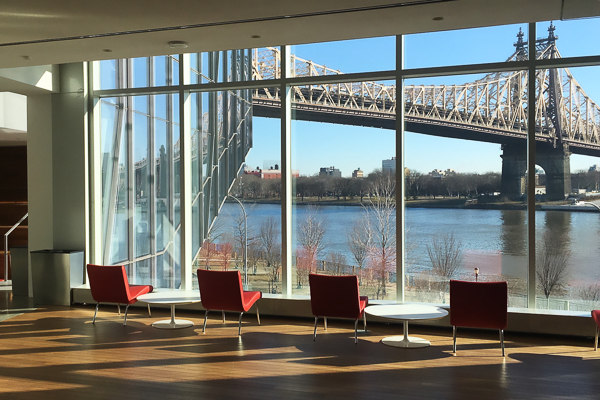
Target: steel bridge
[[490, 109]]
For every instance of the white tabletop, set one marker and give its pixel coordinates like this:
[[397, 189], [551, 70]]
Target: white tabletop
[[171, 297], [407, 312]]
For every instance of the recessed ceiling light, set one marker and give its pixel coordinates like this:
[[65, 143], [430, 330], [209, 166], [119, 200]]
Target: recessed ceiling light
[[178, 44], [107, 50], [255, 36], [438, 18], [26, 57]]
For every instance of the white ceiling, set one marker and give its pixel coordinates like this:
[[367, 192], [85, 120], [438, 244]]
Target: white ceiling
[[35, 32]]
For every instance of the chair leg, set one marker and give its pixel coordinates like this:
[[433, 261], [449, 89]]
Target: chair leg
[[502, 340], [223, 312], [356, 331], [149, 312], [119, 309], [257, 316], [315, 332], [205, 317], [325, 318], [240, 325], [98, 305], [596, 341], [365, 321], [126, 309], [454, 339]]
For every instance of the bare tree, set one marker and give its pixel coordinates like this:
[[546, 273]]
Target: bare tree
[[208, 246], [225, 250], [381, 222], [239, 233], [551, 264], [311, 233], [445, 252], [359, 241], [590, 293], [269, 236], [336, 263]]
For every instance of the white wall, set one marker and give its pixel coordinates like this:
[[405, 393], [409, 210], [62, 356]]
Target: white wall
[[57, 166]]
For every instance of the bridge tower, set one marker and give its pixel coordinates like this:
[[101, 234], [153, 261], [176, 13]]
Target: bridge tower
[[553, 156]]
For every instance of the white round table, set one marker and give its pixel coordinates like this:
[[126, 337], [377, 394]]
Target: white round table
[[405, 313], [172, 298]]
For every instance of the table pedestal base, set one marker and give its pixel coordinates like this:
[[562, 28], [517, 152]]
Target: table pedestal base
[[405, 342], [172, 324]]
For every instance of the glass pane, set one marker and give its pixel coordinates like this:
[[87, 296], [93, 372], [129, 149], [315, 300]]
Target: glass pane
[[142, 180], [344, 213], [567, 188], [466, 46], [114, 178], [151, 185], [224, 125], [108, 74], [346, 56], [140, 72], [572, 38], [465, 163], [161, 65]]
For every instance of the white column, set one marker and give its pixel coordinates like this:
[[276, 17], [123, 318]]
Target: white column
[[186, 175], [286, 175]]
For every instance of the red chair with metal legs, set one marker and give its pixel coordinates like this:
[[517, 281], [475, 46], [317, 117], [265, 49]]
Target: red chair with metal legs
[[109, 284], [222, 290], [479, 305], [338, 297], [596, 317]]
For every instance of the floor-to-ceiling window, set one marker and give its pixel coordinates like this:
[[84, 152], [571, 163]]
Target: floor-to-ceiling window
[[144, 152], [490, 187]]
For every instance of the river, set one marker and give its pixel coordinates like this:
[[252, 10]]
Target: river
[[493, 240]]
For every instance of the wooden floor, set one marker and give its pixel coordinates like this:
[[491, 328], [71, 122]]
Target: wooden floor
[[57, 353]]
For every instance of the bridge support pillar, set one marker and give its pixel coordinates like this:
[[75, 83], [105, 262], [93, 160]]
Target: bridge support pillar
[[554, 160], [514, 166], [557, 165]]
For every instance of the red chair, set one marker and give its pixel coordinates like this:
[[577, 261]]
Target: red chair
[[596, 317], [222, 290], [338, 297], [479, 305], [109, 284]]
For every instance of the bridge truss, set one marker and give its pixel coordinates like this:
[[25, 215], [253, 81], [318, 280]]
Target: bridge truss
[[492, 108]]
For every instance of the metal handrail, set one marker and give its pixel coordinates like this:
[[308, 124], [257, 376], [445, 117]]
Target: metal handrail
[[6, 245]]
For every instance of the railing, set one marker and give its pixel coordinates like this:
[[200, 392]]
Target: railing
[[6, 245]]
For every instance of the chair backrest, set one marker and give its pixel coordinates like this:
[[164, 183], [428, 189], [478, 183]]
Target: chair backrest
[[109, 283], [334, 296], [220, 290], [479, 304]]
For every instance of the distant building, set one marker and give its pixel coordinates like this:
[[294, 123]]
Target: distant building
[[594, 168], [357, 173], [271, 173], [330, 171], [437, 173], [388, 166]]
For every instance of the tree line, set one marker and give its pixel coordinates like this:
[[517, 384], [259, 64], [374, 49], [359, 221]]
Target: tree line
[[417, 185]]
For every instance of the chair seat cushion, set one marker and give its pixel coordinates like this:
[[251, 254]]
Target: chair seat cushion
[[249, 298], [138, 290]]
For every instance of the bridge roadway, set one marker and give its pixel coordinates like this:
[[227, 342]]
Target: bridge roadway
[[270, 108]]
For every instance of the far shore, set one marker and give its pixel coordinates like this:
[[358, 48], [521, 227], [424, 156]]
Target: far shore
[[454, 203]]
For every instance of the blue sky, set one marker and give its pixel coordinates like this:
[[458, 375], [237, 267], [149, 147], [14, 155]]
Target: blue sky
[[318, 145]]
